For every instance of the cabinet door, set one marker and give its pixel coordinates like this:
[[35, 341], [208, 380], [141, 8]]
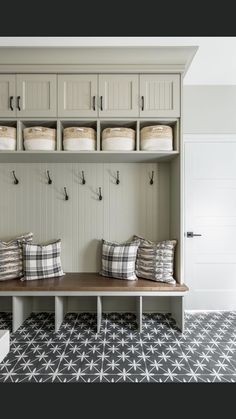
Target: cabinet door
[[77, 95], [36, 95], [160, 95], [7, 95], [118, 95]]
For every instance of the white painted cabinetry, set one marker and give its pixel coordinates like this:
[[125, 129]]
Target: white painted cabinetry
[[118, 95], [99, 88], [7, 95], [28, 95], [160, 95], [77, 95], [36, 95], [88, 95]]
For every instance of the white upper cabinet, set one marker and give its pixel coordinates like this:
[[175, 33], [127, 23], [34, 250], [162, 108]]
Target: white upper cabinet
[[118, 95], [77, 95], [103, 95], [7, 95], [159, 95], [90, 95], [36, 95]]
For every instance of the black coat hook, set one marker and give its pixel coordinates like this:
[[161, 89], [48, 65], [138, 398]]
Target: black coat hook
[[83, 178], [151, 179], [100, 194], [16, 181], [66, 195], [49, 179], [117, 177]]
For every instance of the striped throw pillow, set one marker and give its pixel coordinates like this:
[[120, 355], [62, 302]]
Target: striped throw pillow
[[11, 266], [118, 260], [42, 261], [155, 261]]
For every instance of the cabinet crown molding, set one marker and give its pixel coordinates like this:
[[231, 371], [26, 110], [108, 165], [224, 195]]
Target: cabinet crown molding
[[96, 59]]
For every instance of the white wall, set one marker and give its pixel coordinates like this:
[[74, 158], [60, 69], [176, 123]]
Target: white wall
[[209, 109]]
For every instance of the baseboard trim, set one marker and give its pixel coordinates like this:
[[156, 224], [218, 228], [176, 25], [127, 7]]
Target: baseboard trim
[[206, 311]]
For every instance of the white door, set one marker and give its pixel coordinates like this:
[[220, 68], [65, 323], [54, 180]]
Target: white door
[[210, 210]]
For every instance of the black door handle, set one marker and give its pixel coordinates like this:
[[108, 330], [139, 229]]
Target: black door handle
[[94, 103], [191, 234], [11, 105], [18, 102], [142, 98], [101, 105]]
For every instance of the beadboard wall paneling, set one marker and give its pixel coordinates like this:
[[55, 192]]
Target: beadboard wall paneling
[[132, 207]]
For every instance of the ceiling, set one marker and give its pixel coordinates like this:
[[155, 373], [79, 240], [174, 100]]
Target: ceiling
[[214, 62]]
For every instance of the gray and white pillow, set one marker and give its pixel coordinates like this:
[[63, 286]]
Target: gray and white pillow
[[11, 266], [118, 260], [155, 261], [42, 261]]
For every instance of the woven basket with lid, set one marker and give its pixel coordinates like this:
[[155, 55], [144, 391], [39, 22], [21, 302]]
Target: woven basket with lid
[[7, 132], [156, 131], [118, 139], [79, 139], [118, 132], [156, 138], [79, 132], [7, 138], [39, 133]]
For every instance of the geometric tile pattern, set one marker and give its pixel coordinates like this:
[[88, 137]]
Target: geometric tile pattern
[[206, 352]]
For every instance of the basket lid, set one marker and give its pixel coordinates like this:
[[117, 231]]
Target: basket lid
[[79, 133], [158, 128], [118, 132]]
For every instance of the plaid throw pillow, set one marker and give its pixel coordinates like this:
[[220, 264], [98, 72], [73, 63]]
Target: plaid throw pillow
[[11, 257], [118, 260], [155, 261], [42, 261]]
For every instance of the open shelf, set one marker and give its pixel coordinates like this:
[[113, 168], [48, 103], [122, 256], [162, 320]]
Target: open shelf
[[22, 156], [99, 156]]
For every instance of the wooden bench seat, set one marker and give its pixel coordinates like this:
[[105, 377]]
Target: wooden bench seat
[[88, 284]]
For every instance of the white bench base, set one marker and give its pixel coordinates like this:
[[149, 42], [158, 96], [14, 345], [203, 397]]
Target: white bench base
[[4, 344], [22, 305]]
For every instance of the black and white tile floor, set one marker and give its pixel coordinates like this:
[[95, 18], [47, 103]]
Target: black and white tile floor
[[206, 352]]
